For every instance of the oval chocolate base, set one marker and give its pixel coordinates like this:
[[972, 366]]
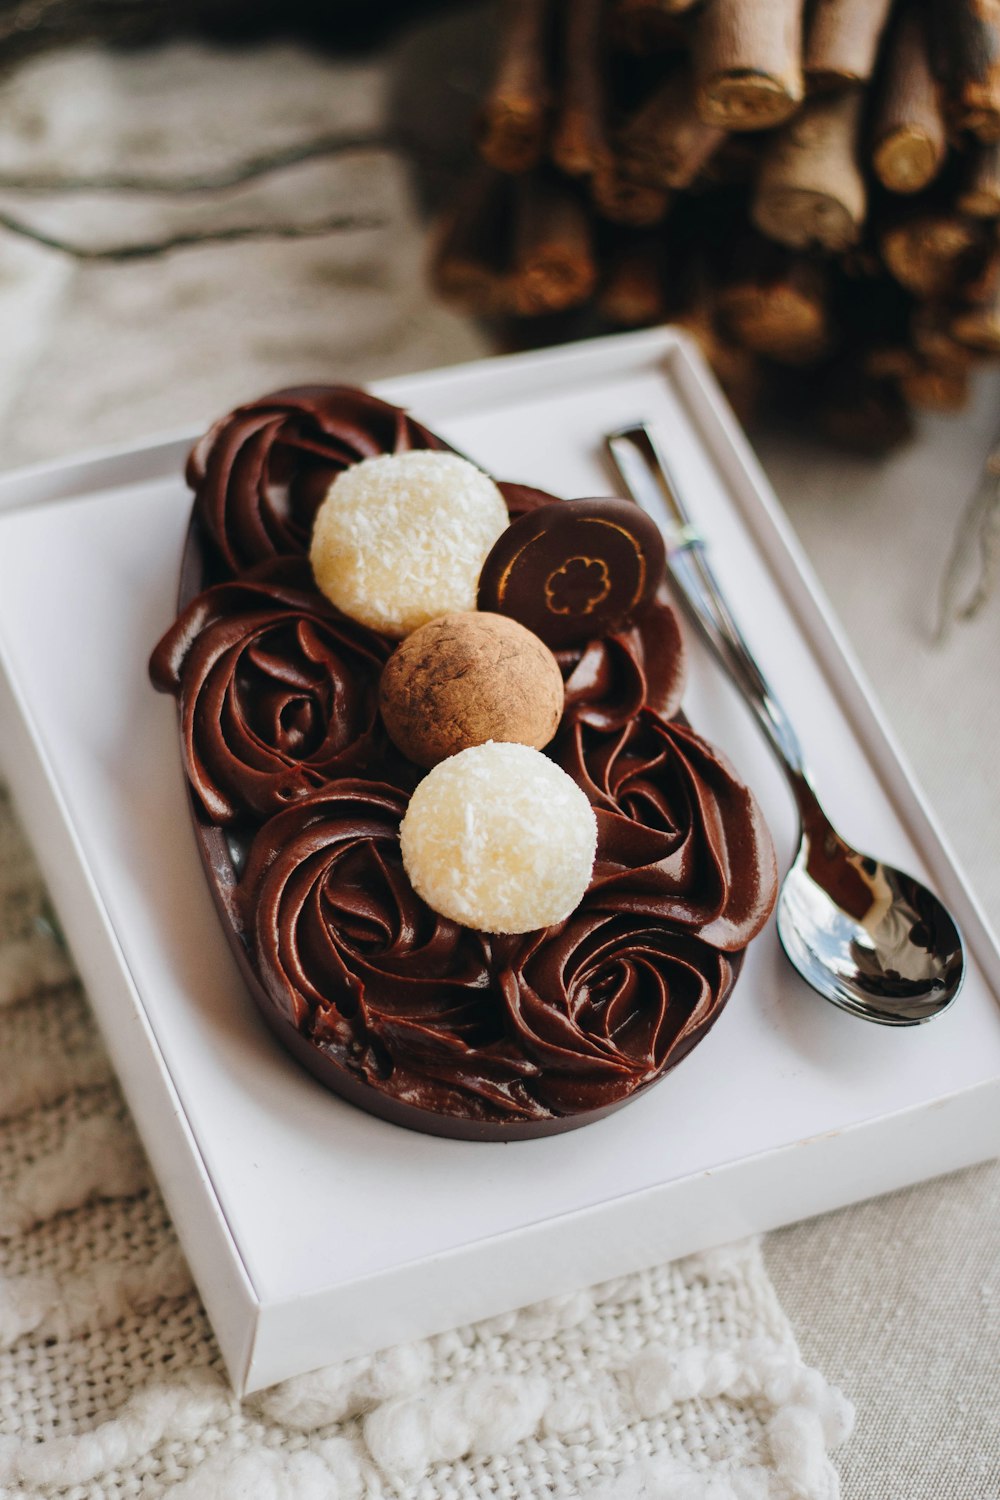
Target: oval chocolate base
[[482, 1118]]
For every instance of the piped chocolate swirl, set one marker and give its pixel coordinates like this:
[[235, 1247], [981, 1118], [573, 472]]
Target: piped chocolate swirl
[[259, 473], [277, 692]]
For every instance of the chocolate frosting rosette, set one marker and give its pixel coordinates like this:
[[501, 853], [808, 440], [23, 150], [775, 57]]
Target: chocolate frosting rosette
[[606, 1003], [277, 693], [260, 473], [610, 679], [380, 983], [680, 837]]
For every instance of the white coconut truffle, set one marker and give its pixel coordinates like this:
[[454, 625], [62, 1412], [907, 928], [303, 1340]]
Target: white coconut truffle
[[402, 538], [498, 837]]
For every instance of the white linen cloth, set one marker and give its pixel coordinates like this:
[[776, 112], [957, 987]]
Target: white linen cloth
[[684, 1382]]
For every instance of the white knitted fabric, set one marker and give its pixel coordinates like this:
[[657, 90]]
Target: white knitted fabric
[[683, 1382]]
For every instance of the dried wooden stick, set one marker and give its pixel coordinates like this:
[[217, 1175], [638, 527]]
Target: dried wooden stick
[[909, 141], [864, 414], [515, 113], [468, 263], [935, 390], [579, 140], [889, 361], [977, 325], [970, 35], [748, 63], [737, 369], [811, 190], [930, 331], [922, 383], [666, 142], [553, 265], [634, 292], [735, 160], [842, 41], [623, 200], [932, 253], [980, 195], [667, 8], [647, 26], [777, 304]]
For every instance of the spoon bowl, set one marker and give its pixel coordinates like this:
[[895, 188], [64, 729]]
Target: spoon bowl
[[865, 936], [868, 937]]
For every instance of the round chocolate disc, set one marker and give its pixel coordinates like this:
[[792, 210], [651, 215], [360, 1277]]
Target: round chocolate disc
[[574, 569]]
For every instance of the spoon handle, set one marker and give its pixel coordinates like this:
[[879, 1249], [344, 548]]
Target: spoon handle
[[648, 478]]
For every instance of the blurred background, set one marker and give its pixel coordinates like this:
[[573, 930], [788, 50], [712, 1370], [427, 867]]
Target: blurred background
[[811, 190]]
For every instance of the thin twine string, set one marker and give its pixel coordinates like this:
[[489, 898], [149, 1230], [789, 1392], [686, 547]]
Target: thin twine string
[[973, 568]]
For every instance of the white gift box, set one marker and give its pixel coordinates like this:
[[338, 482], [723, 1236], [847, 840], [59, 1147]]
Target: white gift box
[[316, 1232]]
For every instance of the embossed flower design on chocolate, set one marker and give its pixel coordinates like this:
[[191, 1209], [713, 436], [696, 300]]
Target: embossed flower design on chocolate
[[277, 693], [605, 1003], [356, 961], [260, 473], [571, 570], [680, 837], [578, 586]]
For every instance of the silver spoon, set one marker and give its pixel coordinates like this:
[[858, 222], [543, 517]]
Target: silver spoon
[[873, 940]]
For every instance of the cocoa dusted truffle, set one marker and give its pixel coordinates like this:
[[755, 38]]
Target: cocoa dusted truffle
[[467, 678]]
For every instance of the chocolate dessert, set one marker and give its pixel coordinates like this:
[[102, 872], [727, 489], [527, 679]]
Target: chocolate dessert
[[298, 793]]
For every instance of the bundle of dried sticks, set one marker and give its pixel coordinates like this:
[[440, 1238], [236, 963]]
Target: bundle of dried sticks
[[811, 184]]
